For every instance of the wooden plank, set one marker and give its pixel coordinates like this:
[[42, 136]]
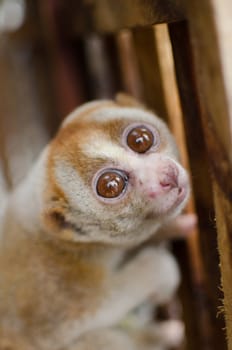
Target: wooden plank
[[104, 80], [128, 64], [193, 301], [147, 55], [224, 225], [106, 16], [65, 60], [212, 46], [175, 121], [192, 288], [200, 179]]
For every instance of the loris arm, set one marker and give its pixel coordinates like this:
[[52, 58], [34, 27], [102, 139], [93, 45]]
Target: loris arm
[[151, 272], [109, 179], [179, 228]]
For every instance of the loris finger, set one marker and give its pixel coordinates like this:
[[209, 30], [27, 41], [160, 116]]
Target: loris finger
[[178, 228]]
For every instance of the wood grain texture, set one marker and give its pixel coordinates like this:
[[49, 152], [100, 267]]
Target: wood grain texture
[[65, 60], [211, 32], [149, 67], [106, 16], [128, 64], [212, 327], [188, 253]]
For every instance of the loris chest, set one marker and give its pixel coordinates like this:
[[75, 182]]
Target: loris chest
[[47, 287]]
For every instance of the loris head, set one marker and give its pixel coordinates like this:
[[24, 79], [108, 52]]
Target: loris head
[[112, 175]]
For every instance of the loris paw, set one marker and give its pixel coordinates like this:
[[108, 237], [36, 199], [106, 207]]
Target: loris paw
[[159, 269], [183, 225], [165, 334], [179, 228]]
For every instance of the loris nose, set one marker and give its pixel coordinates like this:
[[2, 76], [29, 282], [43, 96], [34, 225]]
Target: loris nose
[[169, 177]]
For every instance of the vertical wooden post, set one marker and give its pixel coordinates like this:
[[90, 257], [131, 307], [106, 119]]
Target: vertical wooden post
[[192, 288], [146, 50], [211, 33], [128, 64], [196, 142]]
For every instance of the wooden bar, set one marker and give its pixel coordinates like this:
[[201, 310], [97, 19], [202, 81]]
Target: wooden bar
[[147, 55], [128, 64], [193, 301], [192, 291], [65, 60], [103, 70], [196, 143], [107, 16], [212, 47]]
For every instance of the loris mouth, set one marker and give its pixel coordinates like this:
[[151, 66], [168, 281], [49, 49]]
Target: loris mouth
[[182, 195], [65, 224], [167, 206]]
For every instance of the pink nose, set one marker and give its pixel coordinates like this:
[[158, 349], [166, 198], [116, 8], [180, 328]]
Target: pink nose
[[169, 177]]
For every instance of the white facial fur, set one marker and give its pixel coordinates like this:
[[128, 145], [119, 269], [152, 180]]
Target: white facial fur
[[157, 186]]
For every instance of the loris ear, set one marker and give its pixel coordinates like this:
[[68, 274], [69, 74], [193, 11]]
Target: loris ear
[[126, 100], [121, 99], [87, 108]]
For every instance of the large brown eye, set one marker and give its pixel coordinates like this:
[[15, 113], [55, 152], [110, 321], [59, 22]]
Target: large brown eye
[[140, 139], [111, 183]]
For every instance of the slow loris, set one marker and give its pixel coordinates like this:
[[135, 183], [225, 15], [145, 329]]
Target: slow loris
[[107, 182]]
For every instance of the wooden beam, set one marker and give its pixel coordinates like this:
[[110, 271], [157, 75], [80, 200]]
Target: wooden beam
[[106, 16], [212, 46], [148, 61], [197, 141], [128, 64], [65, 61], [192, 289]]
